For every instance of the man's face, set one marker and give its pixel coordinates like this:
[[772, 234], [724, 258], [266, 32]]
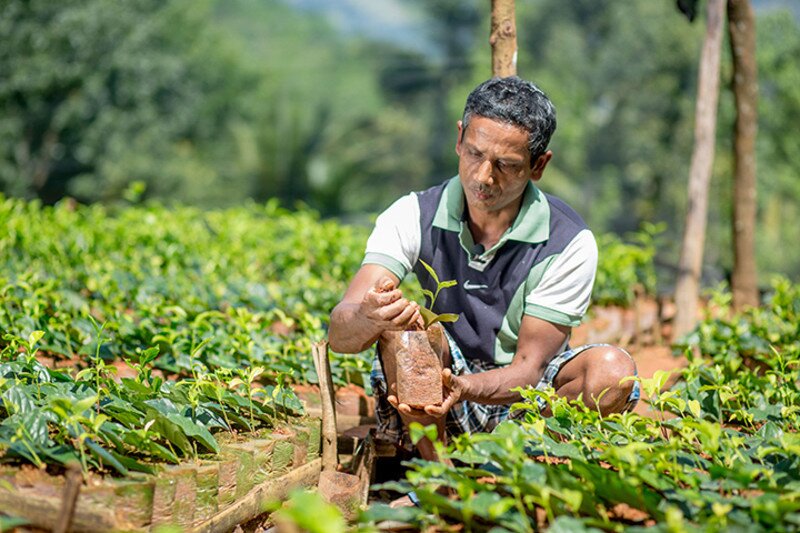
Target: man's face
[[494, 165]]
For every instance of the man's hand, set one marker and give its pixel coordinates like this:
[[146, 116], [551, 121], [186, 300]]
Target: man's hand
[[385, 307], [409, 413], [454, 388]]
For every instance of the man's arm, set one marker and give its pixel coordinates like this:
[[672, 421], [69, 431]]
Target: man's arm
[[539, 341], [372, 304]]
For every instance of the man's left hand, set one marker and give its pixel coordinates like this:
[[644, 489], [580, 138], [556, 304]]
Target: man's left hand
[[454, 388]]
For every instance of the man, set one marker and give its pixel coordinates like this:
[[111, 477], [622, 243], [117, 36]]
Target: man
[[525, 265]]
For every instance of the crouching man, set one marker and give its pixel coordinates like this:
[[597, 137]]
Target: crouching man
[[525, 265]]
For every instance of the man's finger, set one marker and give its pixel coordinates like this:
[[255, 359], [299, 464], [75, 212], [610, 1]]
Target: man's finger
[[436, 410], [448, 402], [392, 309], [447, 376], [381, 299], [384, 284], [405, 316], [405, 408], [392, 399]]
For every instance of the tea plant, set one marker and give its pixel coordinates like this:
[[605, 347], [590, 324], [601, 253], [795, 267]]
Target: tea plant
[[728, 459], [51, 417], [428, 316], [625, 266]]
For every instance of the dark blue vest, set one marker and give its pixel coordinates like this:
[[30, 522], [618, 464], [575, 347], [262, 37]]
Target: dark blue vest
[[481, 311]]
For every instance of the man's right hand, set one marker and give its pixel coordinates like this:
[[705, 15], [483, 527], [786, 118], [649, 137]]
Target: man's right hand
[[385, 307], [372, 304]]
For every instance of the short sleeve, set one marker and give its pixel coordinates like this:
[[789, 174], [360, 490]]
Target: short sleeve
[[563, 294], [395, 240]]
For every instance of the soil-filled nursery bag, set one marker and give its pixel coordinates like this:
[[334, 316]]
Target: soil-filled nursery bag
[[413, 360]]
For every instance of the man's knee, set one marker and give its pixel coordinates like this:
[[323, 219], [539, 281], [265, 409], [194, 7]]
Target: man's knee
[[606, 375]]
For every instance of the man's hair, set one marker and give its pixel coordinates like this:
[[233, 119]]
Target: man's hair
[[518, 102]]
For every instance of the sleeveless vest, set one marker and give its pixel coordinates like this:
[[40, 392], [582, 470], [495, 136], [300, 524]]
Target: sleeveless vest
[[482, 309]]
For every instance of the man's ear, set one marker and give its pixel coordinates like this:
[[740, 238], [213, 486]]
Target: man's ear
[[460, 133], [539, 165]]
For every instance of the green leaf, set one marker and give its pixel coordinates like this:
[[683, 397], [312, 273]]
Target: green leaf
[[428, 316], [35, 337], [10, 523], [430, 271], [694, 407], [448, 284], [429, 294], [104, 457], [172, 432], [417, 432], [196, 431], [61, 454], [148, 355], [131, 463], [83, 404], [444, 317]]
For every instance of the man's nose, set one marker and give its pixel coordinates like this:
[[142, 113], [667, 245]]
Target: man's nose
[[484, 174]]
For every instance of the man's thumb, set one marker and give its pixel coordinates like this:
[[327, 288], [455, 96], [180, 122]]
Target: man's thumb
[[384, 284], [446, 375]]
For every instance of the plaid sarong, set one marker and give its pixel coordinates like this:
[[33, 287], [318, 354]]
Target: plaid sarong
[[465, 416]]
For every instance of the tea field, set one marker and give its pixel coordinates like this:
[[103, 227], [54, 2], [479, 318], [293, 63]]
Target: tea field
[[139, 335]]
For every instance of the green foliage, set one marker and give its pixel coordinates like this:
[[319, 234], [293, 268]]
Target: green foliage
[[427, 312], [49, 416], [10, 523], [745, 368], [728, 460], [308, 511], [220, 289], [99, 94], [626, 267]]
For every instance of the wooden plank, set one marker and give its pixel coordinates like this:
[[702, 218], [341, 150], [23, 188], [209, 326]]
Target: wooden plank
[[252, 504]]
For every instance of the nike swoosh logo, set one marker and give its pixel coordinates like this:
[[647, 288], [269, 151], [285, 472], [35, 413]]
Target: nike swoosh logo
[[469, 286]]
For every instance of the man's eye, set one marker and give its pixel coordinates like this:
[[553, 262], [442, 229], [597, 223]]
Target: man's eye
[[508, 167]]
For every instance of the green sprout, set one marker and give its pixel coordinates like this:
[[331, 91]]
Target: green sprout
[[428, 316]]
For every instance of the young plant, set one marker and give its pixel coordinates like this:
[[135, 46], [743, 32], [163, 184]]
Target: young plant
[[246, 378], [428, 316]]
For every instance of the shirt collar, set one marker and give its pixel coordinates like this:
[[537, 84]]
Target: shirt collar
[[532, 224]]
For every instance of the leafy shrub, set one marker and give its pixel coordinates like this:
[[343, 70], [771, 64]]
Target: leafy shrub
[[51, 417], [625, 266], [728, 459]]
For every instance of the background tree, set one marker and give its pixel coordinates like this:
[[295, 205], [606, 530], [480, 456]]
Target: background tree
[[687, 289], [503, 38], [219, 101], [742, 32]]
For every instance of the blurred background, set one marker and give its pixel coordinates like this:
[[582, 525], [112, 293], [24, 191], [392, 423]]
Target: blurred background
[[346, 105]]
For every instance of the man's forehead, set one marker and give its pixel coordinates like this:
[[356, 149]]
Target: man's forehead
[[481, 130]]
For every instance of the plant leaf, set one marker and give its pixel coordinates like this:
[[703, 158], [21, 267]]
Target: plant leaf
[[448, 284], [35, 337], [196, 431], [444, 317], [430, 271], [429, 294], [428, 316], [102, 455]]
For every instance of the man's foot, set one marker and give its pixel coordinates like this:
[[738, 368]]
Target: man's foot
[[409, 500]]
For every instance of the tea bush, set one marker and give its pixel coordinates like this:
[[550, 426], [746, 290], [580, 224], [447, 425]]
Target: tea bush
[[728, 459]]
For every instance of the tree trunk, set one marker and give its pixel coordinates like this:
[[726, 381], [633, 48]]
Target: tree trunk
[[688, 284], [742, 30], [503, 39]]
